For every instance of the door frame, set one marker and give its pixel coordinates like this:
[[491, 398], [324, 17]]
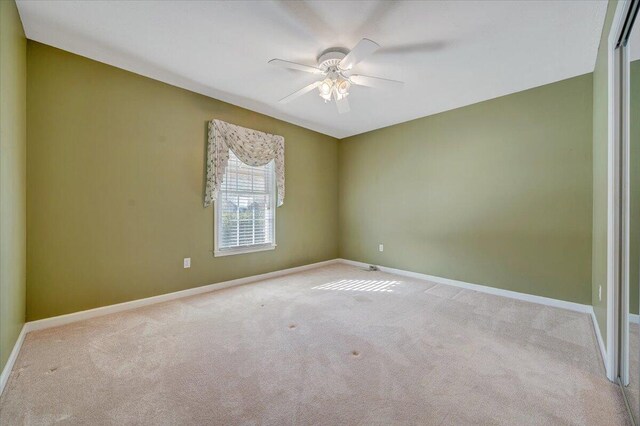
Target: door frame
[[618, 198]]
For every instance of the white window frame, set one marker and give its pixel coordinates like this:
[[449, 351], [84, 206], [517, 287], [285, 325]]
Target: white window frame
[[218, 252]]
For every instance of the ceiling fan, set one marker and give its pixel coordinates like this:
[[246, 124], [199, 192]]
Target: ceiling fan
[[335, 66]]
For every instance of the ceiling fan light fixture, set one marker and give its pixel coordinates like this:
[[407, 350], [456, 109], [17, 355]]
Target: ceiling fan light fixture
[[326, 86], [325, 89], [342, 87]]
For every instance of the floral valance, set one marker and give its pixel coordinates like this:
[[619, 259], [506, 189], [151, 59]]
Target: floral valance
[[250, 146]]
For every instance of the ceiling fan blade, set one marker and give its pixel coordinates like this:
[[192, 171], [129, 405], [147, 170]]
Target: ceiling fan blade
[[304, 90], [365, 80], [364, 48], [343, 105], [296, 66]]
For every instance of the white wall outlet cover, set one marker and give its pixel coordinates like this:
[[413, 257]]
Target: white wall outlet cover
[[187, 262], [600, 293], [381, 247]]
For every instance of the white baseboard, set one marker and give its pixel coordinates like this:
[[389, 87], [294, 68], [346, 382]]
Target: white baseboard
[[125, 306], [634, 318], [603, 348], [572, 306], [13, 356]]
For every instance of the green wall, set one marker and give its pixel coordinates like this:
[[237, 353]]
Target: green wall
[[13, 140], [115, 185], [497, 193], [600, 141]]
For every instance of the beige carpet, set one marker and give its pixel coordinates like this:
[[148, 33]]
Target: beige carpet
[[335, 345]]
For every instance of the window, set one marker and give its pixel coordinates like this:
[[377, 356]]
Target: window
[[245, 209]]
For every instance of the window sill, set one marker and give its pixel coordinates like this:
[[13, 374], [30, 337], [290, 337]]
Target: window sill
[[243, 250]]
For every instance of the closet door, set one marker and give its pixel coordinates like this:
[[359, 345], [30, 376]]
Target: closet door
[[629, 79]]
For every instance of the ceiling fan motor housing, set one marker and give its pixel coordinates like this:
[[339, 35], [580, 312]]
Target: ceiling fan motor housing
[[330, 58]]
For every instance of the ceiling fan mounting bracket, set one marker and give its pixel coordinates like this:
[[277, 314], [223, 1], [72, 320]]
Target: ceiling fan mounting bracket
[[331, 58]]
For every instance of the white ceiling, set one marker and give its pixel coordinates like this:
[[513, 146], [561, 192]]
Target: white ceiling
[[449, 54]]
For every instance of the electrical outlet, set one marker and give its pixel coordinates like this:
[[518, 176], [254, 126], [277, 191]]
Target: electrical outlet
[[600, 293], [187, 262], [381, 247]]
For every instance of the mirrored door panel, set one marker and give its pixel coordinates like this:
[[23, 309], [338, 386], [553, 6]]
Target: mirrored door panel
[[631, 383]]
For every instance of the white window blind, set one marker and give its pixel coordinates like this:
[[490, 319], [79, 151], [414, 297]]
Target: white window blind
[[245, 209]]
